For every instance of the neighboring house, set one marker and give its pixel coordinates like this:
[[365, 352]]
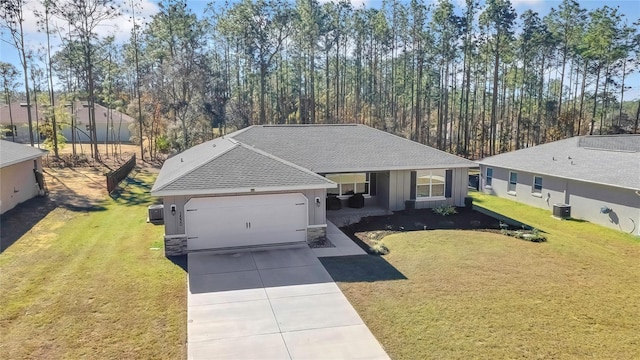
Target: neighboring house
[[111, 126], [598, 176], [265, 185], [18, 182]]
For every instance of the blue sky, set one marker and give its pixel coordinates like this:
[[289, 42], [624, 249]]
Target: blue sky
[[121, 26]]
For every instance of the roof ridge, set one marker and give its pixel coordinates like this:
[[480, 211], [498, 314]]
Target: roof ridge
[[198, 166], [421, 144]]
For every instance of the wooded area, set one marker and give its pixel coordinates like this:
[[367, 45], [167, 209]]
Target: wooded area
[[473, 81]]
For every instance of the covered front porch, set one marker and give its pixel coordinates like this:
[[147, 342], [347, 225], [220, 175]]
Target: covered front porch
[[347, 216]]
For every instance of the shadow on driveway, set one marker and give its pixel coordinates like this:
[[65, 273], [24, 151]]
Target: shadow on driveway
[[361, 268], [180, 261]]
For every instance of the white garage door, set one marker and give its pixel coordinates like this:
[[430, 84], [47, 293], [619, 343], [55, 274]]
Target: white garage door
[[232, 221]]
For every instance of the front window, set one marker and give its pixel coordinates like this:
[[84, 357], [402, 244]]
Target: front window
[[430, 183], [537, 185], [513, 181], [489, 177], [349, 184]]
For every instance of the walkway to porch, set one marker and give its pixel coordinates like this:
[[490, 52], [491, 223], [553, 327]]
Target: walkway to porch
[[343, 245]]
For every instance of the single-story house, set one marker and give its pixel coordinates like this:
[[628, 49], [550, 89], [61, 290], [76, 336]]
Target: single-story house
[[19, 165], [111, 126], [598, 177], [269, 184]]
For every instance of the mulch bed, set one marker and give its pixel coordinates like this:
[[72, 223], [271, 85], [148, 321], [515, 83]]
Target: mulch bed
[[373, 228]]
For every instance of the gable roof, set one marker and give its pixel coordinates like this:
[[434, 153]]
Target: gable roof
[[610, 160], [19, 114], [345, 148], [12, 153], [224, 166]]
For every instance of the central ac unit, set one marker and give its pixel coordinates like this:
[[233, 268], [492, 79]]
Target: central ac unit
[[562, 211]]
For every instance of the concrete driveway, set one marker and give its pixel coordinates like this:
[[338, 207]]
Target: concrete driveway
[[271, 304]]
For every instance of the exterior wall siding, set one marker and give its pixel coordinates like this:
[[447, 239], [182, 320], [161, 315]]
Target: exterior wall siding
[[400, 190], [18, 184], [382, 180], [317, 213], [101, 134], [586, 199]]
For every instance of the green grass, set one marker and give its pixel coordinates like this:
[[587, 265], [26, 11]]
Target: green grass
[[485, 295], [89, 285]]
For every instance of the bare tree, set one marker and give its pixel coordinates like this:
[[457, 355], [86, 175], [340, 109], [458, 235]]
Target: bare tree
[[84, 17], [11, 20]]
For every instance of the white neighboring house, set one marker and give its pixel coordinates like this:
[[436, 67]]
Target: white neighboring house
[[597, 176], [18, 164], [112, 126]]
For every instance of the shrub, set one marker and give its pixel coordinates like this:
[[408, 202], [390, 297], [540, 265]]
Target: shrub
[[533, 235], [445, 210], [379, 248]]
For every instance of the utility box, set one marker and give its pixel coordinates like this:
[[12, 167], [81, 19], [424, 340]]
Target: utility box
[[156, 214], [562, 211]]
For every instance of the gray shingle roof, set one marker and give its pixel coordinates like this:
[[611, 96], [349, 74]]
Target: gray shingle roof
[[342, 148], [12, 153], [19, 114], [611, 160], [231, 167], [611, 142], [288, 157]]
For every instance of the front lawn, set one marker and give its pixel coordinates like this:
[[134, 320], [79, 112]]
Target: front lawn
[[463, 294], [93, 284]]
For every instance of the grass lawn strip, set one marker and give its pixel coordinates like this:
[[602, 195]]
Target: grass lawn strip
[[88, 284], [485, 295]]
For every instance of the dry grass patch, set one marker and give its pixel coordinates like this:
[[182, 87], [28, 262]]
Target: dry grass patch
[[485, 295], [88, 284]]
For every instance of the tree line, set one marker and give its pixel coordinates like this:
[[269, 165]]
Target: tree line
[[474, 80]]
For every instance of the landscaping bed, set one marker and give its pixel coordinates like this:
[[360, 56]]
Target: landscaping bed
[[369, 232]]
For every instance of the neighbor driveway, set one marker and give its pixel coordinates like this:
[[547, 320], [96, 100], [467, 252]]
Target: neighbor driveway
[[271, 304]]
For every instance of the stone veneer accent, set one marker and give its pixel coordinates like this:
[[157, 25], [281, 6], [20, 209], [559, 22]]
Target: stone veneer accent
[[175, 245], [316, 233]]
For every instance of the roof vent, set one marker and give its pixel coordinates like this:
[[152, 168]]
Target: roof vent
[[181, 160]]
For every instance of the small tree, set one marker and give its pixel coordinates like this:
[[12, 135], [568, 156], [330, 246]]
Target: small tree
[[8, 76]]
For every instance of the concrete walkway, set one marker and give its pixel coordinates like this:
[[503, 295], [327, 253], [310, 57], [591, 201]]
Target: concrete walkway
[[344, 246], [271, 304]]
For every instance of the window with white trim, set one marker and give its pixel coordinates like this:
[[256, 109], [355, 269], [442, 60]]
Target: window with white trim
[[513, 181], [537, 185], [349, 184], [430, 183], [489, 177]]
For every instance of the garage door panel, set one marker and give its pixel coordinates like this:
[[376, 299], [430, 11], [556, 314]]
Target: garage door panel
[[221, 222]]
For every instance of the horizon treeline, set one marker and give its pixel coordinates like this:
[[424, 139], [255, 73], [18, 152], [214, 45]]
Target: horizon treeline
[[475, 80]]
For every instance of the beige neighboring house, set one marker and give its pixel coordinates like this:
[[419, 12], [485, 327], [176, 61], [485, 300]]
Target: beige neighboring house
[[112, 125], [18, 166]]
